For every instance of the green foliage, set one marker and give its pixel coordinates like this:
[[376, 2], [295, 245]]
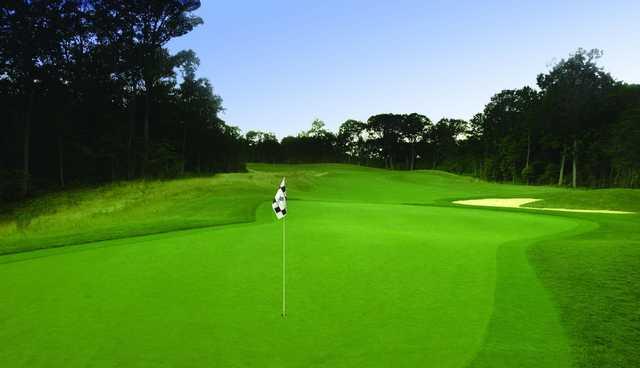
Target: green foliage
[[10, 184], [351, 140], [312, 146], [527, 173], [67, 62], [91, 95], [262, 146], [625, 147], [579, 123]]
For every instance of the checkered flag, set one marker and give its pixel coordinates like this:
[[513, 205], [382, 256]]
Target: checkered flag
[[280, 201]]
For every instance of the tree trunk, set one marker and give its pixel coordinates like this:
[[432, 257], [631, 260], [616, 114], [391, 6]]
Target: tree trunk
[[114, 164], [132, 132], [561, 177], [413, 157], [184, 148], [609, 180], [526, 165], [26, 143], [61, 160], [147, 106], [575, 159]]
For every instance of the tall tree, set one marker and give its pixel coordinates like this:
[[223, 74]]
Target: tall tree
[[154, 24], [263, 146], [385, 132], [351, 138], [412, 129], [27, 37], [624, 144], [508, 124], [574, 91], [65, 75], [444, 136]]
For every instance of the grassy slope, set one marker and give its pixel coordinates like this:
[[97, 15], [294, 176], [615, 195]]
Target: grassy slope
[[383, 284], [138, 208]]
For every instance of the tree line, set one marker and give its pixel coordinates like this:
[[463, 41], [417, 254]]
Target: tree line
[[577, 127], [90, 93]]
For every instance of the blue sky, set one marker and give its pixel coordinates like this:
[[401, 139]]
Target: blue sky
[[280, 64]]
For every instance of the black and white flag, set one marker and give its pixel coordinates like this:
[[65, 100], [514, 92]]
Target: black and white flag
[[280, 201]]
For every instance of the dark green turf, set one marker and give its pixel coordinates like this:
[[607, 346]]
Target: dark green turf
[[595, 280], [382, 271]]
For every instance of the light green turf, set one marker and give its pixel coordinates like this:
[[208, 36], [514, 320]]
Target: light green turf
[[382, 271]]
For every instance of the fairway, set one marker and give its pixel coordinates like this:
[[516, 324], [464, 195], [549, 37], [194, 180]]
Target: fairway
[[382, 271], [186, 183]]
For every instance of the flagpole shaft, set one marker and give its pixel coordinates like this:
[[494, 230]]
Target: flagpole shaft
[[284, 293]]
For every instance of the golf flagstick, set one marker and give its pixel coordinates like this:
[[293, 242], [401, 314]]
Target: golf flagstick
[[279, 206], [284, 284]]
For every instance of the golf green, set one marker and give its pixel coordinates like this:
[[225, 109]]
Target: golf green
[[381, 271]]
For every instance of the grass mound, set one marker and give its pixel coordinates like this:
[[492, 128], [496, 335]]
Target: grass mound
[[136, 208]]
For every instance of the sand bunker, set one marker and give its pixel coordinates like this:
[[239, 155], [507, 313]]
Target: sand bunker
[[519, 202]]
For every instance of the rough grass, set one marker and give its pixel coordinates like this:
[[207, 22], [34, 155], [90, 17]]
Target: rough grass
[[601, 199], [373, 281], [595, 279], [135, 208]]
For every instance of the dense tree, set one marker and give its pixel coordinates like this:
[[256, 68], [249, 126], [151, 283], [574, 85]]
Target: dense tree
[[573, 95], [89, 93], [154, 23], [351, 141], [413, 129], [385, 132], [262, 146], [624, 145], [579, 115], [30, 34], [80, 82], [444, 137], [507, 127], [198, 112], [315, 145]]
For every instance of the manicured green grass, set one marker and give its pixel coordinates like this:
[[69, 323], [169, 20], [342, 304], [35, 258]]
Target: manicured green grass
[[603, 199], [595, 279], [382, 271]]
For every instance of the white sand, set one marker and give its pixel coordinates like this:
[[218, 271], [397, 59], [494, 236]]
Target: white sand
[[519, 202], [497, 202]]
